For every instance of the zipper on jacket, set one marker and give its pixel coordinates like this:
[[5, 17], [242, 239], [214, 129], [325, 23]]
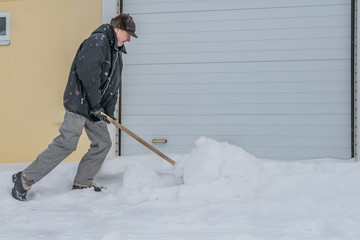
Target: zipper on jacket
[[83, 96], [111, 74], [81, 92]]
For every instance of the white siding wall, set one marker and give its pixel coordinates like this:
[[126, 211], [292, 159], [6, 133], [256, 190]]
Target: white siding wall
[[272, 76]]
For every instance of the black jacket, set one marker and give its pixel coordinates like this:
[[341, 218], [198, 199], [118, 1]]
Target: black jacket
[[95, 74]]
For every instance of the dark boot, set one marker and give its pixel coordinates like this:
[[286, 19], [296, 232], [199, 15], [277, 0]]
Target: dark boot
[[18, 191], [96, 189]]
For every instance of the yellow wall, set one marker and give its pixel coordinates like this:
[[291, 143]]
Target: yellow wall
[[34, 68]]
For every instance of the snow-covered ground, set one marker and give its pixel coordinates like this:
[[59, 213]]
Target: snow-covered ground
[[218, 191]]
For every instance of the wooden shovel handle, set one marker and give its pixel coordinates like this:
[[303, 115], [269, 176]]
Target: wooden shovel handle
[[139, 139]]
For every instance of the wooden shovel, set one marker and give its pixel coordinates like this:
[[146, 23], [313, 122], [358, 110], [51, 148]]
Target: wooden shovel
[[142, 141]]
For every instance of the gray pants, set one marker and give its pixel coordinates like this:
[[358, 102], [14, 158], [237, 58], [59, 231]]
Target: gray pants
[[64, 144]]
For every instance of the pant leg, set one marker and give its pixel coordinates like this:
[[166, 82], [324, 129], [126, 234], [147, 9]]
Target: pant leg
[[94, 158], [61, 147]]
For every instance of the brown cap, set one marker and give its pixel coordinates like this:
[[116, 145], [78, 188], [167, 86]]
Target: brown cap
[[125, 22]]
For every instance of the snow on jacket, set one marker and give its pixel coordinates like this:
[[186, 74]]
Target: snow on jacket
[[95, 74]]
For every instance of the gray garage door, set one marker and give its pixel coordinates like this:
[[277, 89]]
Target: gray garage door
[[272, 76]]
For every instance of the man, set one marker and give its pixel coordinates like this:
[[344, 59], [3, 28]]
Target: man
[[92, 88]]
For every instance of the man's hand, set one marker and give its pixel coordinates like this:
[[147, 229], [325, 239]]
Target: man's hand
[[96, 116], [111, 116]]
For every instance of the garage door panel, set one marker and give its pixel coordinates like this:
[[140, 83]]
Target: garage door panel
[[235, 46], [239, 109], [241, 25], [250, 24], [234, 120], [306, 131], [216, 67], [238, 77], [246, 35], [194, 6], [245, 2], [242, 56], [266, 98], [284, 87]]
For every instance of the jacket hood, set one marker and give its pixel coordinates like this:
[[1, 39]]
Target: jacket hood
[[109, 32]]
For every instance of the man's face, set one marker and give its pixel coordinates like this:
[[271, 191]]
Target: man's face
[[122, 36]]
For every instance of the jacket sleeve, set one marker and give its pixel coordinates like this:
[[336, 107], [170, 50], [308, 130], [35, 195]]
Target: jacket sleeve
[[88, 66]]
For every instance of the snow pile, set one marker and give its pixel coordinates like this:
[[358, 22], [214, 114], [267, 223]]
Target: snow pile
[[211, 160], [208, 171], [218, 191]]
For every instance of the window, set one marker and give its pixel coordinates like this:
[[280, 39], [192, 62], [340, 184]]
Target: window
[[4, 28]]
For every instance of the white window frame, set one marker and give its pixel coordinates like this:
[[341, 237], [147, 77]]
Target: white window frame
[[5, 39]]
